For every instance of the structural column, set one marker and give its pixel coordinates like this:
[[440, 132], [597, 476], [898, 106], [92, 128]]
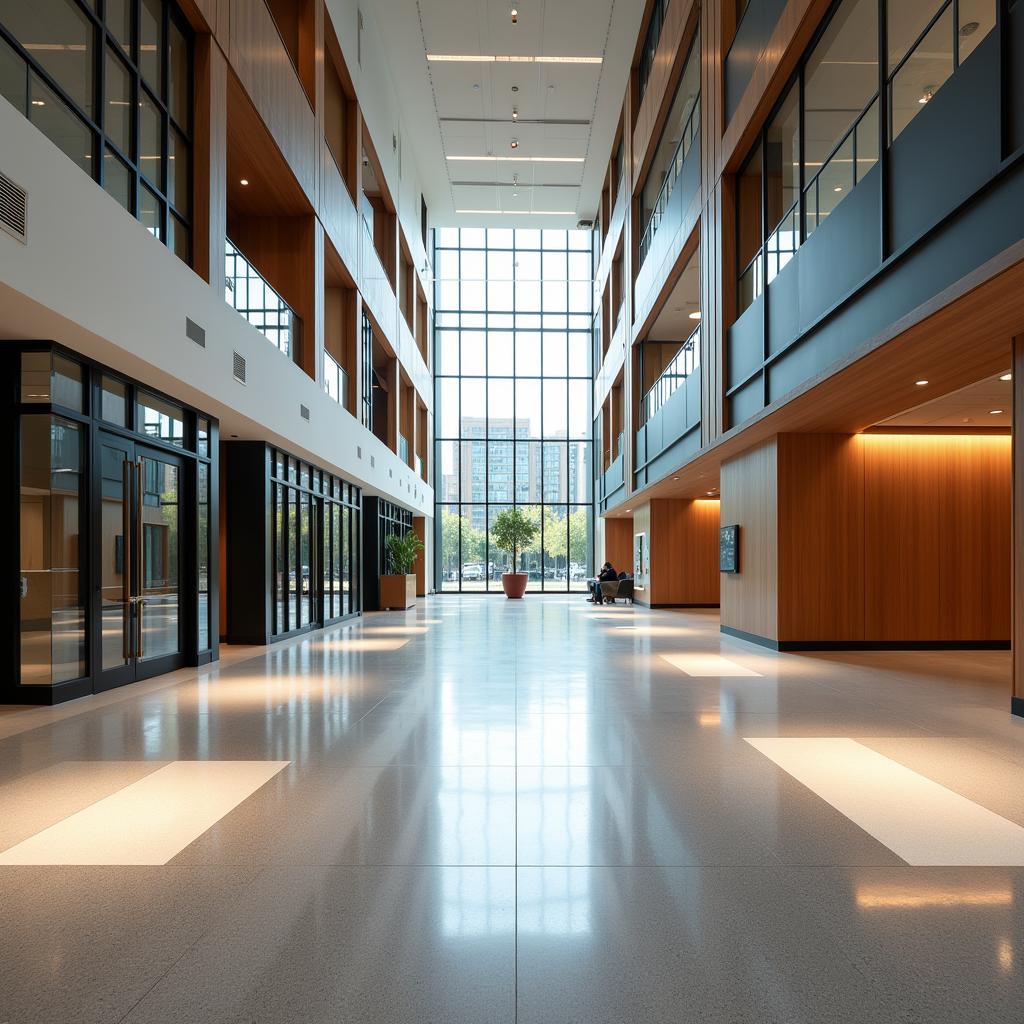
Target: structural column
[[681, 537], [1017, 696], [870, 540]]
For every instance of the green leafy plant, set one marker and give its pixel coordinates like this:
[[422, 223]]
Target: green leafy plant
[[402, 549], [513, 531]]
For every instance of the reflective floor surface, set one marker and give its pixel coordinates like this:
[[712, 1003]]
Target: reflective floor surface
[[543, 811]]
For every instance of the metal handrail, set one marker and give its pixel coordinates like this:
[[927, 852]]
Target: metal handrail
[[335, 380], [689, 133], [270, 314], [672, 377]]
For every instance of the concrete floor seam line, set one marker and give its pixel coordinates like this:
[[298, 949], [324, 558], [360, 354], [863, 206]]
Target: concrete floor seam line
[[523, 817]]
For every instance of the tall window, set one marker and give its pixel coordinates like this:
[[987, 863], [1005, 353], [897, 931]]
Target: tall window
[[513, 313], [115, 94], [791, 185]]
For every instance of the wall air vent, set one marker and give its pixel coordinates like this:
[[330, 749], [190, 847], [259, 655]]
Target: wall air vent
[[304, 411], [359, 452], [238, 367], [373, 462], [13, 209], [195, 333]]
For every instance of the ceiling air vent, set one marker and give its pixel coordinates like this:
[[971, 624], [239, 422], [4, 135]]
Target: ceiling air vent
[[13, 209], [238, 367], [195, 333], [304, 411]]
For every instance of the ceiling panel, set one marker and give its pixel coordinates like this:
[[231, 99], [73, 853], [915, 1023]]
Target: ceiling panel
[[466, 108]]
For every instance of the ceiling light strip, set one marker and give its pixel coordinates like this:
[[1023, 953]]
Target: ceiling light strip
[[522, 159], [497, 58], [523, 213]]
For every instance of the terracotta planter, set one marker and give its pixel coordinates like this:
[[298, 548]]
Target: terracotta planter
[[514, 583], [398, 591]]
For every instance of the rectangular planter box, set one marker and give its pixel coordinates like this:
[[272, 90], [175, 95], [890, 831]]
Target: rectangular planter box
[[398, 591]]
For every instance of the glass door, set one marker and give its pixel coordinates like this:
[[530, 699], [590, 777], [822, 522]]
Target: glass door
[[138, 527]]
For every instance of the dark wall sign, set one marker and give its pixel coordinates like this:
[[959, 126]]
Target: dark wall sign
[[729, 549]]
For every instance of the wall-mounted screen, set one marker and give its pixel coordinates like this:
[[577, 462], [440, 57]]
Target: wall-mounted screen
[[729, 549]]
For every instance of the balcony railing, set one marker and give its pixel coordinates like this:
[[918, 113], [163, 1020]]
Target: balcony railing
[[335, 380], [246, 290], [403, 448], [840, 172], [690, 132], [684, 363]]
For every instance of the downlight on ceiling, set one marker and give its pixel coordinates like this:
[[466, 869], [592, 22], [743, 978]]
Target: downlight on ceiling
[[928, 93], [497, 58], [920, 383], [514, 14], [514, 143], [1006, 376], [243, 181], [994, 412], [695, 315]]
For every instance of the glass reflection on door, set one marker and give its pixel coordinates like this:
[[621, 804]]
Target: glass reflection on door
[[160, 598], [115, 555]]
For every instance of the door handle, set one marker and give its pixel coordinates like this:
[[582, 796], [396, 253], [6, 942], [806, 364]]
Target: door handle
[[139, 526], [140, 604], [126, 557]]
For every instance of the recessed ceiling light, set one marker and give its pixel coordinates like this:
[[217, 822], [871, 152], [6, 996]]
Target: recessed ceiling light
[[1007, 376], [515, 113], [530, 159], [497, 58], [926, 95], [920, 383], [968, 28], [627, 510], [244, 181], [838, 188], [675, 478], [514, 12], [39, 103], [514, 143], [994, 412], [695, 315], [711, 492]]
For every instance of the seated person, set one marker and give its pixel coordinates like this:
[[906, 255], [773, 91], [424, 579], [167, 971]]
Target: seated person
[[606, 574]]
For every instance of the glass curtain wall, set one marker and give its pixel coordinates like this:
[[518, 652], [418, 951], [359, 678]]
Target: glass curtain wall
[[513, 342], [114, 93], [315, 524], [824, 137]]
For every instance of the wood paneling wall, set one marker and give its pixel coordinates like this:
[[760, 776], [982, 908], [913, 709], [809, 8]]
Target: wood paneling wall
[[683, 539], [750, 499], [873, 538], [618, 544], [936, 537], [1018, 527], [820, 536]]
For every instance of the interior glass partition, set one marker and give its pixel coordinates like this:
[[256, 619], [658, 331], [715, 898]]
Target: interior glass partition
[[513, 349], [116, 522]]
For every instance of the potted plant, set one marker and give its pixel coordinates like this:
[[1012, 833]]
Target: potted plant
[[512, 531], [398, 587]]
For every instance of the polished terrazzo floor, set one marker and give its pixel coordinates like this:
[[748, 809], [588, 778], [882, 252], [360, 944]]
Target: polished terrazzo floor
[[482, 811]]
